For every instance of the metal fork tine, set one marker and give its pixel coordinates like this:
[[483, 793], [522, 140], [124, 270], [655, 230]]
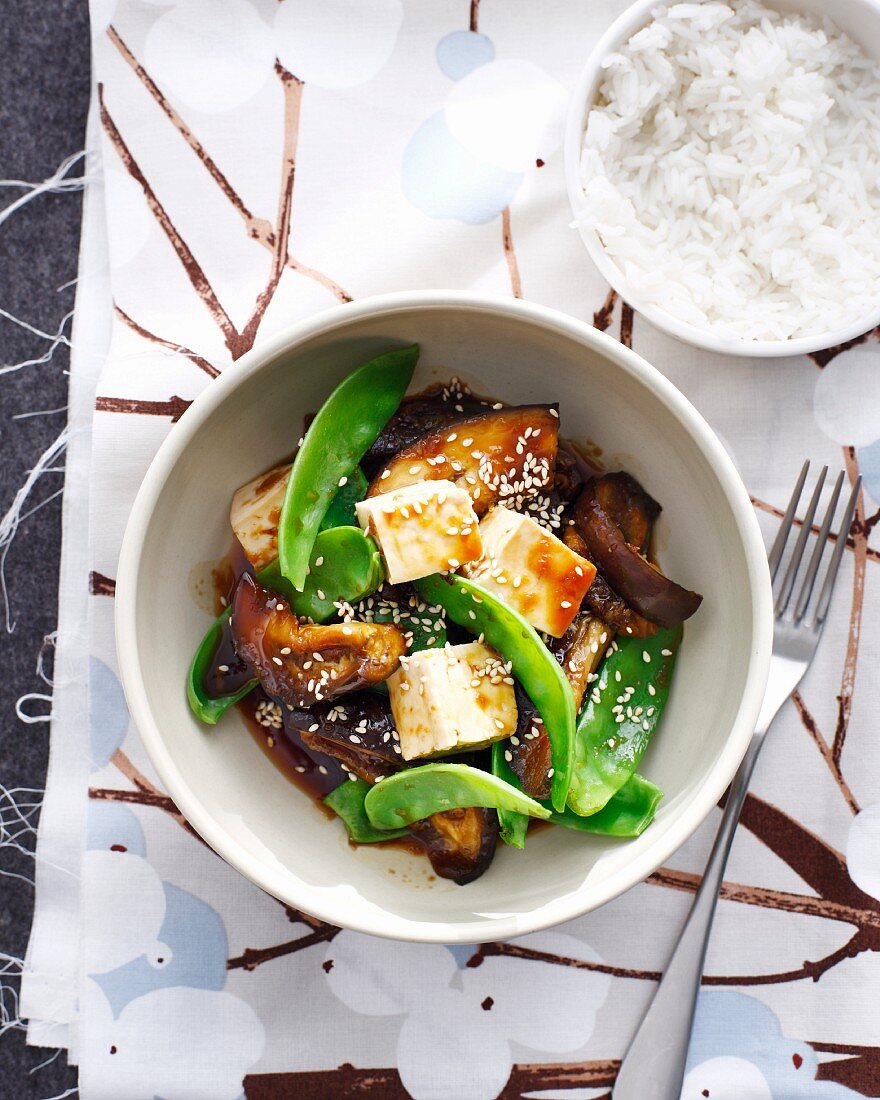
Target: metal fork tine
[[775, 555], [821, 611], [798, 552], [818, 550]]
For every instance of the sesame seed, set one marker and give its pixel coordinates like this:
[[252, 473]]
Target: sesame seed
[[508, 755], [384, 474], [551, 773], [565, 603], [342, 481], [313, 728], [646, 656], [666, 652], [225, 668], [319, 562], [651, 689], [322, 769], [277, 661], [617, 676], [452, 438], [320, 595]]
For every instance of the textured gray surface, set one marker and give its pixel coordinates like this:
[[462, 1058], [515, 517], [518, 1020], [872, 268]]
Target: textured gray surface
[[44, 88]]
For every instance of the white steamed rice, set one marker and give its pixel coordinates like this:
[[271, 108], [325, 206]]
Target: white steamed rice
[[731, 167]]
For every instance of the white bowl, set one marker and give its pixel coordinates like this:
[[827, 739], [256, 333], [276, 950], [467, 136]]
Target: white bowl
[[860, 19], [250, 417]]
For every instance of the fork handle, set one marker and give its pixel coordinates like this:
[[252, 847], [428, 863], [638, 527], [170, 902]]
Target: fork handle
[[655, 1063]]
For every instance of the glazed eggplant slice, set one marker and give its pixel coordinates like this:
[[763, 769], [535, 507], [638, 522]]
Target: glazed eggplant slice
[[529, 748], [505, 455], [579, 651], [459, 843], [357, 730], [302, 664], [420, 415], [640, 583], [567, 478], [604, 602], [627, 504]]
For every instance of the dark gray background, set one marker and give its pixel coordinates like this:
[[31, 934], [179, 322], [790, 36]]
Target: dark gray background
[[44, 92]]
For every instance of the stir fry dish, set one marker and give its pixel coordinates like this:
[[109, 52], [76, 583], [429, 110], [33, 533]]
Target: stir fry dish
[[445, 624]]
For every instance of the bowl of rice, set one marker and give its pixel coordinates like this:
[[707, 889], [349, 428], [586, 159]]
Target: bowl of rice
[[723, 166]]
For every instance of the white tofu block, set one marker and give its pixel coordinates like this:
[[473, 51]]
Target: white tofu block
[[457, 698], [254, 515], [422, 529], [534, 572]]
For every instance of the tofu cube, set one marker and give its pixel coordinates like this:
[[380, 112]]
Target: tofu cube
[[456, 698], [430, 527], [254, 515], [534, 572]]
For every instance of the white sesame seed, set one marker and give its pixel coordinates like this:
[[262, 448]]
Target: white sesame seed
[[646, 656], [342, 481], [320, 595], [225, 668], [508, 755], [319, 562], [651, 689], [565, 603], [277, 661], [384, 474], [666, 652]]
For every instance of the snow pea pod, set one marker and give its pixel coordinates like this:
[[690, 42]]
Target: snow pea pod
[[627, 814], [622, 712], [478, 610], [350, 569], [341, 512], [512, 826], [344, 429], [416, 793], [347, 802]]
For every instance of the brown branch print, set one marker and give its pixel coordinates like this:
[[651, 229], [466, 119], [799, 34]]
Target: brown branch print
[[510, 254], [859, 1071], [260, 230], [190, 264], [145, 793], [174, 407], [199, 360], [772, 510], [810, 725], [99, 585], [252, 957], [293, 91], [812, 970], [859, 533], [823, 358], [474, 23], [626, 324], [602, 316], [350, 1083]]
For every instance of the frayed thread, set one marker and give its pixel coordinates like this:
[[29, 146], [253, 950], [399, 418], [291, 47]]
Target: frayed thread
[[58, 183], [32, 719], [9, 524], [56, 340], [10, 1018]]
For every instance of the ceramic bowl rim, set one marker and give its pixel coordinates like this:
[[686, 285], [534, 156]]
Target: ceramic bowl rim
[[191, 804]]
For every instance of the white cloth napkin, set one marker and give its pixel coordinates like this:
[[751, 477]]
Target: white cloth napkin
[[426, 141]]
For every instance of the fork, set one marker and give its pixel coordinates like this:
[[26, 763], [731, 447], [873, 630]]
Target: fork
[[654, 1065]]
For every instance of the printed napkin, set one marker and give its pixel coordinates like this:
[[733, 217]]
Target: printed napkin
[[263, 160]]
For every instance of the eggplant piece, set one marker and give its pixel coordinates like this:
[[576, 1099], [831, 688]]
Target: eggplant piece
[[567, 478], [579, 651], [627, 504], [506, 455], [459, 843], [422, 414], [641, 584], [604, 602], [305, 663], [358, 731], [531, 757]]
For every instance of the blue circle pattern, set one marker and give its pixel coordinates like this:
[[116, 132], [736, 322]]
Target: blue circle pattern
[[444, 180], [108, 714], [734, 1025], [869, 464], [196, 937], [460, 52], [111, 826]]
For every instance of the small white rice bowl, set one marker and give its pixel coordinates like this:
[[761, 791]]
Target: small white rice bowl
[[730, 167]]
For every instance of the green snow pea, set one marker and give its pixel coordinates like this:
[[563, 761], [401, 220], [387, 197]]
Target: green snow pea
[[627, 814], [346, 426], [347, 802], [350, 569], [341, 512], [475, 608], [613, 733], [512, 826], [416, 793]]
